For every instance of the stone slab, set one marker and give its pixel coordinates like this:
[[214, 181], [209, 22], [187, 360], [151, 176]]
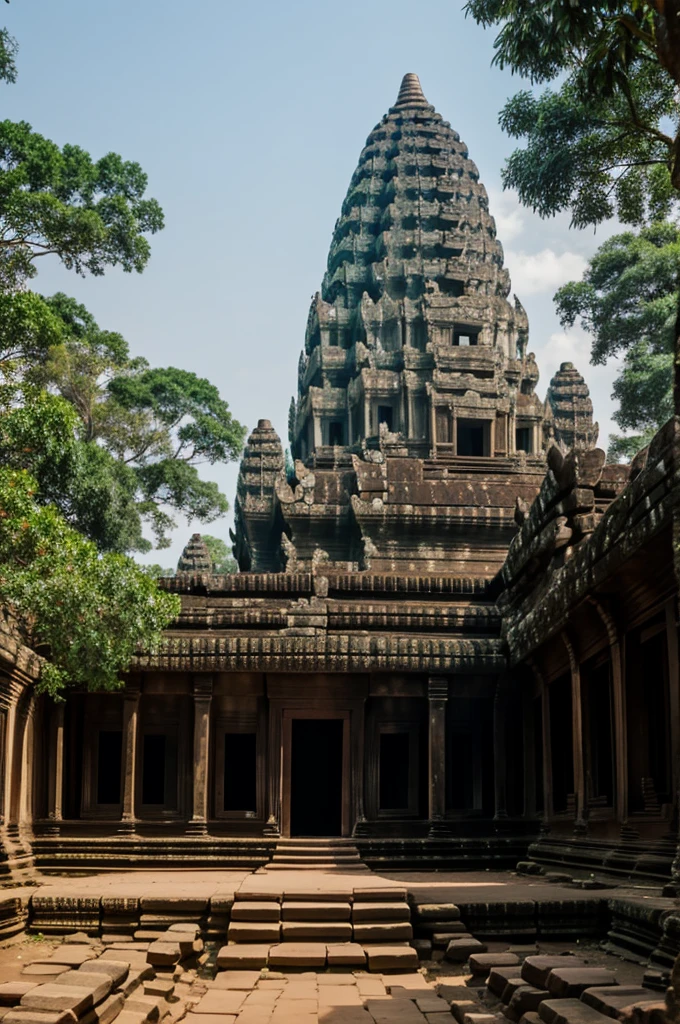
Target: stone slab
[[80, 979], [162, 954], [130, 1017], [569, 1011], [298, 954], [535, 969], [174, 904], [458, 950], [242, 956], [43, 972], [241, 981], [11, 992], [69, 956], [613, 1000], [107, 1011], [460, 1008], [570, 982], [254, 931], [381, 911], [134, 979], [220, 1001], [340, 931], [310, 910], [186, 926], [482, 963], [345, 954], [391, 958], [116, 970], [24, 1015], [526, 999], [317, 895], [255, 910], [499, 978], [52, 997], [512, 986], [159, 987]]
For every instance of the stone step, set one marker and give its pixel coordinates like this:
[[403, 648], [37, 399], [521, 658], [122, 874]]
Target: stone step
[[303, 910], [332, 931], [325, 866], [254, 931], [380, 912], [570, 982], [255, 910], [614, 1000], [305, 857]]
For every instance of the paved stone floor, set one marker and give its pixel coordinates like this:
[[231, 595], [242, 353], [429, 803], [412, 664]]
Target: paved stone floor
[[439, 886]]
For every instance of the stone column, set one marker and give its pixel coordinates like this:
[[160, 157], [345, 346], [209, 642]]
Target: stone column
[[367, 416], [619, 714], [273, 826], [130, 727], [56, 766], [437, 695], [499, 753], [580, 825], [203, 688], [358, 731]]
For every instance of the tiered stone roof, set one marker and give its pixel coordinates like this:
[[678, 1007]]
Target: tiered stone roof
[[195, 558]]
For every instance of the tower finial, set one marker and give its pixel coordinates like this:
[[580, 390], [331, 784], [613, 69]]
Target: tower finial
[[411, 93]]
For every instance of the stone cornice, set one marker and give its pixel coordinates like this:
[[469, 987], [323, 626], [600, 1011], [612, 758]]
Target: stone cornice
[[325, 653]]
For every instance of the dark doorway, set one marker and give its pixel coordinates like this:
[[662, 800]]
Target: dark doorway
[[240, 771], [108, 766], [316, 777]]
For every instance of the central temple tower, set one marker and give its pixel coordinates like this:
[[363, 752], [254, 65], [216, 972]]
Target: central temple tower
[[416, 394]]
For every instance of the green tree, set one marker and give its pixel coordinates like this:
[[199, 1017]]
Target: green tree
[[606, 141], [143, 432], [86, 613], [222, 558], [627, 302]]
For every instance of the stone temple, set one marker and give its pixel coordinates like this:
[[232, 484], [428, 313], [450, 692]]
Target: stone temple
[[453, 639]]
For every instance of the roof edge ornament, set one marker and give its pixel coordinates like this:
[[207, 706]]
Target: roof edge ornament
[[411, 93]]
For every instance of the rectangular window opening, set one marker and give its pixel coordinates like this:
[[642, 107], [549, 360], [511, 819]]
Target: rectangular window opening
[[394, 771], [240, 772], [523, 439], [109, 755], [472, 438], [385, 415], [336, 432]]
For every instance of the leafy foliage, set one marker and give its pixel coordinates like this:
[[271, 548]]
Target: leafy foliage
[[85, 612], [8, 52], [222, 559], [599, 145], [139, 434], [627, 300], [91, 214]]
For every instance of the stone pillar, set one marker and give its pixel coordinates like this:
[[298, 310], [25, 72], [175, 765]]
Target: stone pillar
[[56, 766], [130, 728], [358, 720], [316, 421], [580, 825], [367, 416], [618, 712], [203, 688], [499, 753], [273, 826], [437, 695]]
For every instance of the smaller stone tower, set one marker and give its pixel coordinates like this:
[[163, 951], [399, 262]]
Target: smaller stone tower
[[569, 411], [195, 558], [256, 539]]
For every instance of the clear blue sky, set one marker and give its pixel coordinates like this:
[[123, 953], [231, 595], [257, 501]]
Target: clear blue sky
[[249, 120]]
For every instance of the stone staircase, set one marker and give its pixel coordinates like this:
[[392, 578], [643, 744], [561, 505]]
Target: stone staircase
[[349, 928], [316, 855]]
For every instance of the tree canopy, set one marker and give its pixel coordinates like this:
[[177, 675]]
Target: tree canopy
[[607, 140], [604, 142], [85, 612], [627, 301]]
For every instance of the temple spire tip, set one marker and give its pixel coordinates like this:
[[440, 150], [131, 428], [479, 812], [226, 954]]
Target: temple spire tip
[[411, 93]]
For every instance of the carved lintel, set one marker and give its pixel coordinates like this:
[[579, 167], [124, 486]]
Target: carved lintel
[[203, 685]]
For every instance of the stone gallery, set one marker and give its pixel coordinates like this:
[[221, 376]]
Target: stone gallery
[[453, 639]]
